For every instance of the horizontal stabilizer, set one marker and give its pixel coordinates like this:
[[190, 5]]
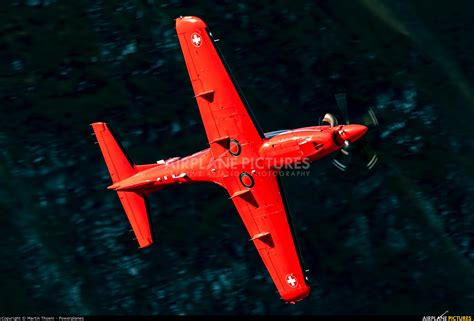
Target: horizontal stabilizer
[[121, 167], [123, 185], [136, 208], [119, 164]]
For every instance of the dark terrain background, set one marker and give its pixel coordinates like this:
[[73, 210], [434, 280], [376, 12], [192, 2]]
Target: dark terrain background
[[396, 240]]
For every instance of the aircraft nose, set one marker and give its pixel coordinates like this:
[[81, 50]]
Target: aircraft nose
[[353, 132]]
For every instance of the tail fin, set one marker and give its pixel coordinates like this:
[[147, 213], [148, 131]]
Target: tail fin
[[120, 167]]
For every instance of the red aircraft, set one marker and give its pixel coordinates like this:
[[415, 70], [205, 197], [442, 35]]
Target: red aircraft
[[241, 158]]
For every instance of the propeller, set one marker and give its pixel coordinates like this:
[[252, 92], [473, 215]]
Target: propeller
[[358, 151], [330, 119], [341, 101]]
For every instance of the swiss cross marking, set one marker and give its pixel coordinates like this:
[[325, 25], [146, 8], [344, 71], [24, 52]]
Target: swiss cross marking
[[196, 40], [291, 280]]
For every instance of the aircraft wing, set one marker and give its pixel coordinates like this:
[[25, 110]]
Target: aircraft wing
[[224, 110], [232, 131], [265, 214]]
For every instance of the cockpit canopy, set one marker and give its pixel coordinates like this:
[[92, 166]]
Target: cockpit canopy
[[275, 132]]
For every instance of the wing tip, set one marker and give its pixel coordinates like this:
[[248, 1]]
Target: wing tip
[[145, 243], [98, 125], [296, 295], [189, 21]]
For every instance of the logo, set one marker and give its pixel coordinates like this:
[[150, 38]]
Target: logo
[[444, 317], [291, 280], [196, 39]]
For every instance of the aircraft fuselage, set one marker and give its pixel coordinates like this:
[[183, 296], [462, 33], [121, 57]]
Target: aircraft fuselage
[[285, 149]]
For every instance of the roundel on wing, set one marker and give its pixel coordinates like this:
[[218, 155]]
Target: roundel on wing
[[234, 147], [246, 179]]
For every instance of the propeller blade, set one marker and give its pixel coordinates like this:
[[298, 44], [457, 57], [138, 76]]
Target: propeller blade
[[341, 101], [370, 119], [372, 162], [343, 159], [330, 119], [339, 165], [346, 148], [358, 154], [368, 156]]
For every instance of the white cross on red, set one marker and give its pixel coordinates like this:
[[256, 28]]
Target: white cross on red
[[291, 280], [196, 39]]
